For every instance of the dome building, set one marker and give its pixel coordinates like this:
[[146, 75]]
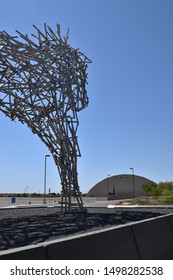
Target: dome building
[[119, 186]]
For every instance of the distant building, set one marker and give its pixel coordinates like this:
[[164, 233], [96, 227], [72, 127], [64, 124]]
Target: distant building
[[119, 186]]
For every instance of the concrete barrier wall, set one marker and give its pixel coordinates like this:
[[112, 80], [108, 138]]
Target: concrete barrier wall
[[116, 243], [154, 239], [149, 239], [170, 218], [24, 253]]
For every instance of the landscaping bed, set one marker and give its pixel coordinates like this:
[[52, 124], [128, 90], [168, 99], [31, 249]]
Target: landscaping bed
[[25, 226]]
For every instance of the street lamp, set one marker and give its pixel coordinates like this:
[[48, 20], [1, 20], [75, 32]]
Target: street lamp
[[133, 180], [108, 184], [44, 201]]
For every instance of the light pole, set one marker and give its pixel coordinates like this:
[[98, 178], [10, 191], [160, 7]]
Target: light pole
[[108, 184], [44, 200], [133, 180]]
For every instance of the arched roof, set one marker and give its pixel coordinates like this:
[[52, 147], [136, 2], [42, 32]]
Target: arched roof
[[122, 184]]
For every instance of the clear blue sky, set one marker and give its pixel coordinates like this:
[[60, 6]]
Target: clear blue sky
[[129, 121]]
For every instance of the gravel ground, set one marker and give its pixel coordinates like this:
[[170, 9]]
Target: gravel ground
[[21, 227]]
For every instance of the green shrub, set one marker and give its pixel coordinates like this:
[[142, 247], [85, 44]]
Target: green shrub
[[167, 196], [163, 190], [152, 189]]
